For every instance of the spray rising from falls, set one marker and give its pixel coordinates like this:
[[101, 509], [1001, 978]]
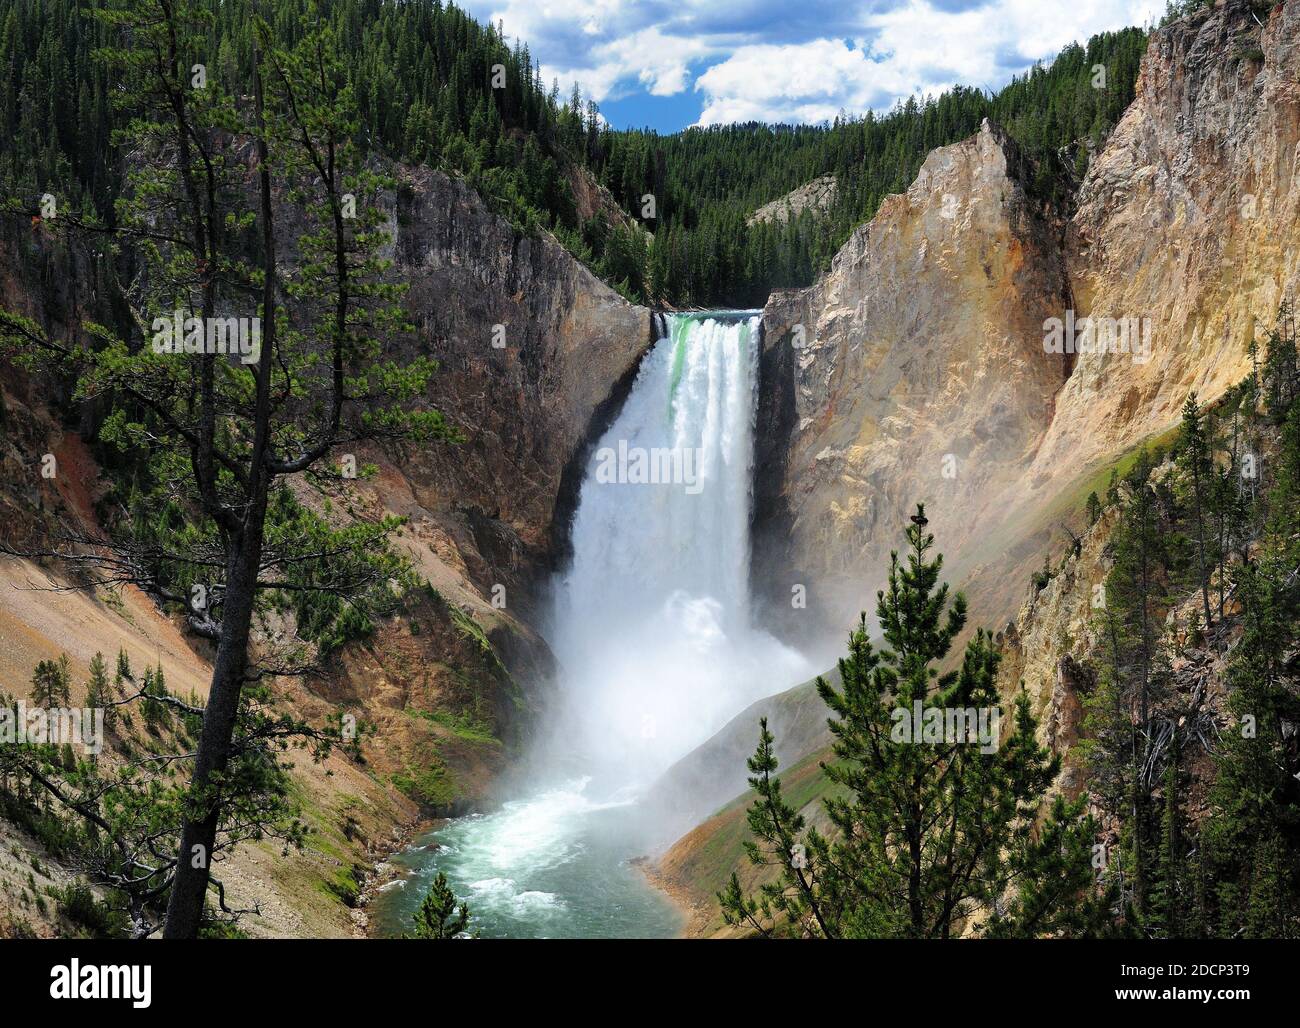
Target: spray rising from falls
[[652, 621]]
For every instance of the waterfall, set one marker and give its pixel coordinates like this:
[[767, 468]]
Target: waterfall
[[651, 622], [651, 626]]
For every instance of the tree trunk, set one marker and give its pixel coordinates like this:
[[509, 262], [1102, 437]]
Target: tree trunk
[[199, 829], [1200, 541]]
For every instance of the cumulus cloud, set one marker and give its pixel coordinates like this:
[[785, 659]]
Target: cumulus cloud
[[769, 60], [802, 82]]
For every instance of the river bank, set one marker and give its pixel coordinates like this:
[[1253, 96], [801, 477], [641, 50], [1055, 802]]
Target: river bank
[[696, 916], [383, 872]]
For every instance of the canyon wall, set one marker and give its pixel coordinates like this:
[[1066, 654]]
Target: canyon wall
[[916, 368], [452, 684], [535, 352], [912, 371], [1188, 218]]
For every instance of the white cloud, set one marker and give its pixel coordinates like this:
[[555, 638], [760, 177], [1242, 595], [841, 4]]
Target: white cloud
[[800, 82], [609, 47], [661, 63], [767, 60]]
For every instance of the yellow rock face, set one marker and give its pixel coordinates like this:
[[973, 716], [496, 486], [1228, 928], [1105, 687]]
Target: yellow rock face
[[921, 374], [1189, 219], [926, 370]]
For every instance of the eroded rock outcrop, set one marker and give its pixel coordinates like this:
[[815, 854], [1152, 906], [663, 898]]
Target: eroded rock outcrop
[[1046, 650], [817, 196]]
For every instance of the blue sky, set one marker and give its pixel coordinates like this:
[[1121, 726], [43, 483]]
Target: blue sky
[[673, 63]]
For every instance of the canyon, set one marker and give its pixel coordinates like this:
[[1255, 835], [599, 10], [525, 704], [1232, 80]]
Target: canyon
[[913, 370]]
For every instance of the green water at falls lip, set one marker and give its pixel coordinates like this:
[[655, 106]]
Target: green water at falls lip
[[679, 329], [678, 335]]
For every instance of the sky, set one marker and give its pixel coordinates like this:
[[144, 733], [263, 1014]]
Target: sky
[[668, 64]]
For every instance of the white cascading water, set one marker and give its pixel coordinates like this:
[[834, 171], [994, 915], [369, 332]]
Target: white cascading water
[[652, 621], [652, 630]]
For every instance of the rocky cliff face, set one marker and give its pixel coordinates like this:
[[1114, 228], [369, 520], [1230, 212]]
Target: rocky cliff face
[[1189, 219], [913, 370], [928, 370], [1046, 649], [534, 352]]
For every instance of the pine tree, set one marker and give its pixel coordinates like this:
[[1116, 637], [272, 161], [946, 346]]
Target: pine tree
[[1196, 453], [154, 711], [1279, 372], [439, 915], [1169, 879], [97, 697], [1056, 891], [1135, 590], [329, 365], [1254, 826], [1094, 509], [930, 827], [123, 673], [51, 683]]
